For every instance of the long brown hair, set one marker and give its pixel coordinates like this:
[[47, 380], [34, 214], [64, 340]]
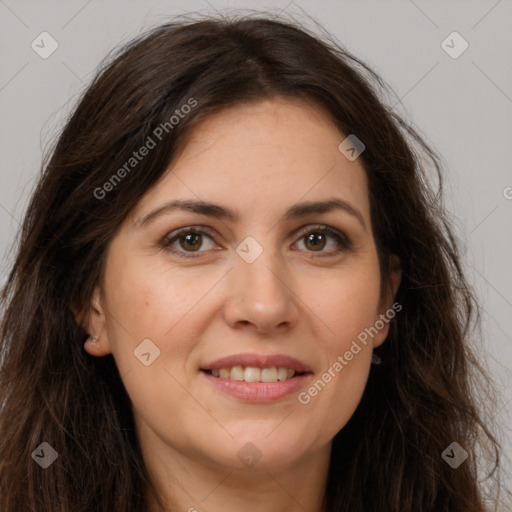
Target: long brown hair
[[417, 402]]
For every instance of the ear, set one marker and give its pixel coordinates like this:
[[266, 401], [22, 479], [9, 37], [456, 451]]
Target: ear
[[387, 307], [94, 322]]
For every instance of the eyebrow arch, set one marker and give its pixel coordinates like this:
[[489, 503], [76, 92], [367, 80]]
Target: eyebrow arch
[[221, 212]]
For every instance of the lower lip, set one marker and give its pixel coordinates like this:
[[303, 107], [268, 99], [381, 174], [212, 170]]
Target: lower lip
[[258, 391]]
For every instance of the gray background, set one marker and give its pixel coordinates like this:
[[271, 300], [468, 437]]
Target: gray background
[[463, 107]]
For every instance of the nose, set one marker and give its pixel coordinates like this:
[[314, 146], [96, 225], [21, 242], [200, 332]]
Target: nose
[[261, 296]]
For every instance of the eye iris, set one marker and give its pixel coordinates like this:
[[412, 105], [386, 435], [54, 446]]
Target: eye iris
[[191, 241], [314, 238]]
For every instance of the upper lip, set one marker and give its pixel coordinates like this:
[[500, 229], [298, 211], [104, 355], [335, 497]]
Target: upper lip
[[258, 361]]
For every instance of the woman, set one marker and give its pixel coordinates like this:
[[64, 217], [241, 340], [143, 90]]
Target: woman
[[233, 288]]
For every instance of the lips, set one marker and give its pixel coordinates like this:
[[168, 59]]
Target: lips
[[256, 377], [258, 361]]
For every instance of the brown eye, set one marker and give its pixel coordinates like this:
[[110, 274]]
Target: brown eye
[[191, 241], [315, 241]]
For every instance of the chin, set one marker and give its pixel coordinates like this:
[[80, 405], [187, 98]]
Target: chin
[[260, 451]]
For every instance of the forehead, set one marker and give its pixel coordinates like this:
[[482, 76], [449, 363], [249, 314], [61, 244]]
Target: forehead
[[274, 152]]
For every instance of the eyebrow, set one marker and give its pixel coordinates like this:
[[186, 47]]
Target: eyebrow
[[221, 212]]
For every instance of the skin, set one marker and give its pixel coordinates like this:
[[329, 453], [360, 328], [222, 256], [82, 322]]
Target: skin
[[258, 159]]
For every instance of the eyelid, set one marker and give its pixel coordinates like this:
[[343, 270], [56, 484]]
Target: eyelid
[[321, 228], [192, 228]]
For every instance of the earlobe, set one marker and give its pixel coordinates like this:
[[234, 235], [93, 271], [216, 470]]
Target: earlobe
[[94, 347]]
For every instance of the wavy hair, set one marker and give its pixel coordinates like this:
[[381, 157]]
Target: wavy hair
[[425, 395]]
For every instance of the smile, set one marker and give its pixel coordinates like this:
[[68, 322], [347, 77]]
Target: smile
[[254, 374], [254, 377]]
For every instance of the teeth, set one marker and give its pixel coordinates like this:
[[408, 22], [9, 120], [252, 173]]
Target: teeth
[[224, 373], [252, 374], [237, 373], [282, 373], [269, 375]]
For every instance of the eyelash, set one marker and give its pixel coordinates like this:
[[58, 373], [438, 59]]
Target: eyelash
[[342, 241]]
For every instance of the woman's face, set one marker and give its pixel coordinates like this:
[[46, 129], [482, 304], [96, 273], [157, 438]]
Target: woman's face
[[253, 278]]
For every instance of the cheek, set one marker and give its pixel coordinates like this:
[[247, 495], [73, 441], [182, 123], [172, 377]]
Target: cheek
[[336, 390], [349, 306], [153, 300], [335, 393], [163, 305], [347, 301], [159, 302]]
